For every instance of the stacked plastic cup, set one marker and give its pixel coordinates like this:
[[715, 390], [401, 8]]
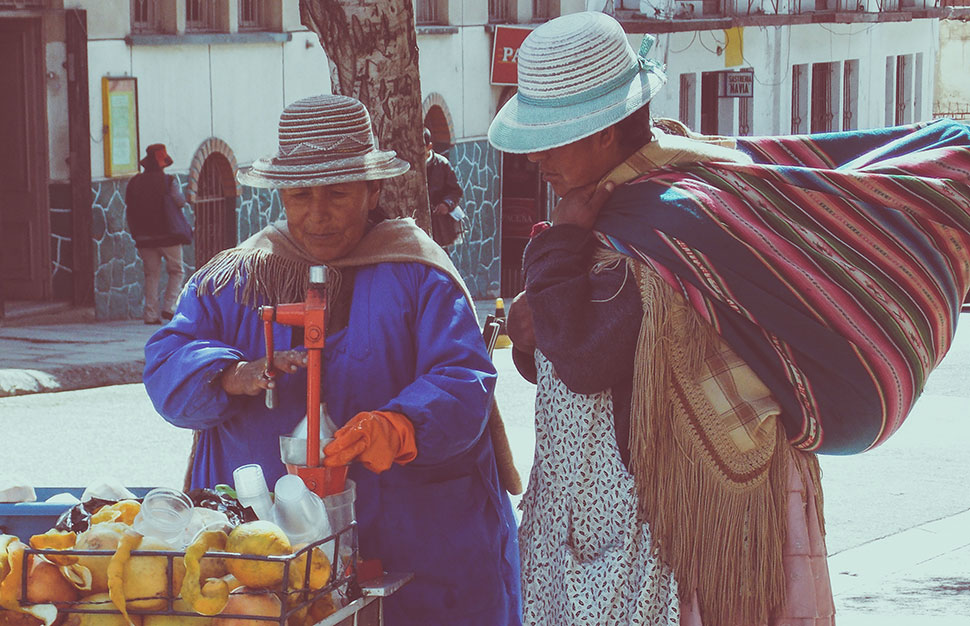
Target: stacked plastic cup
[[251, 490], [299, 512], [340, 511]]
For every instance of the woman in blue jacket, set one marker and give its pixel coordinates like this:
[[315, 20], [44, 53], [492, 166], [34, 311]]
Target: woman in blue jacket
[[405, 372]]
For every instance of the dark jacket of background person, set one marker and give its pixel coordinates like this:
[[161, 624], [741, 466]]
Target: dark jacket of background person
[[442, 183], [145, 211]]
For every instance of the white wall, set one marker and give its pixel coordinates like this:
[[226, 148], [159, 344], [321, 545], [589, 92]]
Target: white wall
[[188, 93], [57, 111], [953, 69], [773, 51], [457, 67]]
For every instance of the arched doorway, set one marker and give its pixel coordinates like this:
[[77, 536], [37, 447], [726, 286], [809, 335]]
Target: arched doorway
[[437, 123], [215, 208]]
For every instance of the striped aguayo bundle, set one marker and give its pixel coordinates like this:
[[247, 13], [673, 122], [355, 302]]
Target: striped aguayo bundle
[[835, 265]]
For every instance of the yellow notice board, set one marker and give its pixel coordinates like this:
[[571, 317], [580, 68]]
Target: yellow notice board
[[119, 102]]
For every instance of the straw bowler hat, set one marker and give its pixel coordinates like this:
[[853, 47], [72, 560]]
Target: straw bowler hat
[[324, 140], [578, 74]]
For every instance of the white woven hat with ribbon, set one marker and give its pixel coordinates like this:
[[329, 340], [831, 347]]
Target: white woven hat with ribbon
[[324, 140], [578, 74]]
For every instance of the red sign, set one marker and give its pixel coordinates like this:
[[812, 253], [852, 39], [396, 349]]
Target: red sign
[[505, 53]]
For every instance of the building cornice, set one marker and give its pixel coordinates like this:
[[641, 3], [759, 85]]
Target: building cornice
[[638, 23]]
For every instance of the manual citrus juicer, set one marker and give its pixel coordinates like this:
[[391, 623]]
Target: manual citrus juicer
[[311, 315]]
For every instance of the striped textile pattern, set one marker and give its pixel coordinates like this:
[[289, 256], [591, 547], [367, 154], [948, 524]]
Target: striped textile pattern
[[836, 266]]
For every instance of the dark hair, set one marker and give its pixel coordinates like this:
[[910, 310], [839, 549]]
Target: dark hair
[[427, 137], [633, 132]]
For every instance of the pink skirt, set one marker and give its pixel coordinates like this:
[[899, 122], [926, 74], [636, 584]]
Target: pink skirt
[[808, 588]]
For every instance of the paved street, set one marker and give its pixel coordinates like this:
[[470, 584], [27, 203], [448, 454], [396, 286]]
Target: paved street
[[898, 517]]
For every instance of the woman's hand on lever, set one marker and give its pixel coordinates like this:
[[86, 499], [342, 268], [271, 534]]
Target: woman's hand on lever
[[375, 438], [247, 377]]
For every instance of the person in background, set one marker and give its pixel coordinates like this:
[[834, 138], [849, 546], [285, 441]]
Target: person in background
[[157, 235], [406, 375], [444, 193]]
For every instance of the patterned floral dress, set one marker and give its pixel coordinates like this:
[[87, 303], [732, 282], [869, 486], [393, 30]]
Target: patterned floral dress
[[585, 559]]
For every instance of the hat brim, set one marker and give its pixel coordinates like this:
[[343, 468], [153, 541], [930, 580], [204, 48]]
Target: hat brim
[[521, 127], [267, 173]]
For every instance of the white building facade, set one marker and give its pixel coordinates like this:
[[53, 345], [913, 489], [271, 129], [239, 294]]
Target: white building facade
[[756, 68], [92, 82]]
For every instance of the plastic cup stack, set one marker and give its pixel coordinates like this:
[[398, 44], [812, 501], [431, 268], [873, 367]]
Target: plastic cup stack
[[251, 490], [340, 511], [300, 513]]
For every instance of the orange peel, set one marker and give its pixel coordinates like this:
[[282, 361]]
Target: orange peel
[[116, 570], [212, 597], [56, 540], [123, 511]]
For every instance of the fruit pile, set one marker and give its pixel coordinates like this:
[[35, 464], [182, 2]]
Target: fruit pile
[[218, 580]]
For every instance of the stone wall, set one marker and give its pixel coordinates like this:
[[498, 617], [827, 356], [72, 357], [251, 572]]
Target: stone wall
[[478, 255], [119, 278], [118, 275], [255, 209], [62, 246]]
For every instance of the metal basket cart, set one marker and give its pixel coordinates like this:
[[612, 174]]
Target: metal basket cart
[[360, 602]]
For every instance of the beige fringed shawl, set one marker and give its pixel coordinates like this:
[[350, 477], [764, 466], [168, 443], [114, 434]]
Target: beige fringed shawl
[[272, 267], [712, 490]]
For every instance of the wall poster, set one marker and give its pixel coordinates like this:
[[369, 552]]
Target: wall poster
[[119, 101]]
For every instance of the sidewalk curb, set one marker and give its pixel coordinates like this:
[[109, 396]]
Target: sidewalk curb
[[18, 382]]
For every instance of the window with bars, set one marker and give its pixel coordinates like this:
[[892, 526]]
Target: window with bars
[[201, 16], [822, 113], [22, 4], [850, 94], [426, 12], [144, 16], [545, 9], [252, 15], [501, 11], [688, 99], [799, 99]]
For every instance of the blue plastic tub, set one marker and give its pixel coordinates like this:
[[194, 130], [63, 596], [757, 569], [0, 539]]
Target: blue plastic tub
[[24, 519]]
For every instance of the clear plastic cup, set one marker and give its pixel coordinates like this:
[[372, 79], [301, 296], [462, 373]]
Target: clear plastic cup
[[299, 512], [340, 511], [165, 514], [251, 490]]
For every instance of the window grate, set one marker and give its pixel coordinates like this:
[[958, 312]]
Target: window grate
[[215, 210], [500, 11], [544, 9], [23, 4], [426, 12], [252, 15], [201, 16], [144, 16]]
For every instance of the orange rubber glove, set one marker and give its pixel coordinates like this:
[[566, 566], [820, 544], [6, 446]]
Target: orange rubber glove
[[375, 438]]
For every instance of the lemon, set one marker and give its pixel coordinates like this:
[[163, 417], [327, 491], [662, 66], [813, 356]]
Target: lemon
[[258, 538]]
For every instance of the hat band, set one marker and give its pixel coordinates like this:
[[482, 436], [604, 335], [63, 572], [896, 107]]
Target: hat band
[[591, 94]]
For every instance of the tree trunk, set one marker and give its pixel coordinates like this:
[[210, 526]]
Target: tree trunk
[[373, 50]]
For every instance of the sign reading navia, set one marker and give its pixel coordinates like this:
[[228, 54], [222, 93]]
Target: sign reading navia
[[739, 84]]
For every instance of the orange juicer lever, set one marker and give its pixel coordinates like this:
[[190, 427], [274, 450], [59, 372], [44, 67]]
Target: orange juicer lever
[[311, 316]]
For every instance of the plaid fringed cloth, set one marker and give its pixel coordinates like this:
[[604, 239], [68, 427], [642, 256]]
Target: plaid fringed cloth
[[834, 264]]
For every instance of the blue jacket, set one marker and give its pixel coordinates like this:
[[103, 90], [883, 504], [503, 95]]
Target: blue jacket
[[411, 345]]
